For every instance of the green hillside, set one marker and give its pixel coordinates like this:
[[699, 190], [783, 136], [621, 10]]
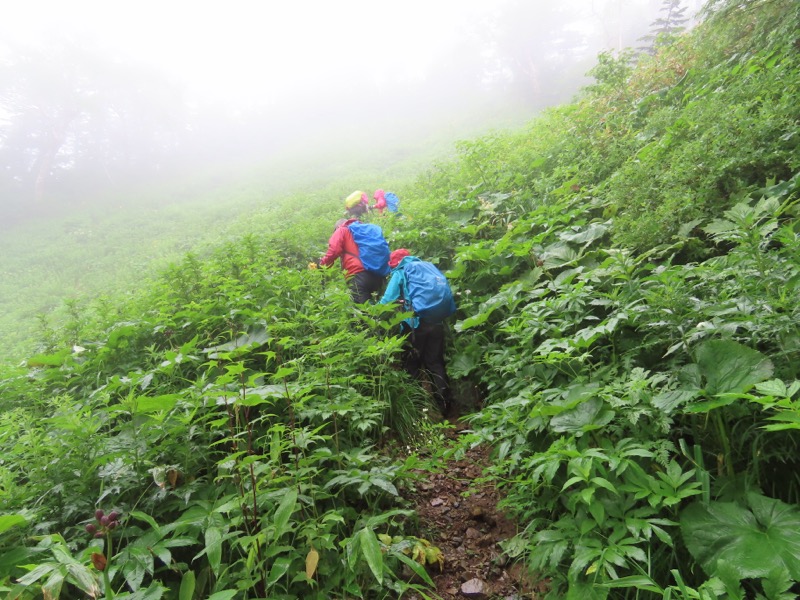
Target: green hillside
[[627, 344], [54, 268]]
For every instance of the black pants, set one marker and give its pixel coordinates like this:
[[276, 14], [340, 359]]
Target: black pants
[[424, 351], [363, 286]]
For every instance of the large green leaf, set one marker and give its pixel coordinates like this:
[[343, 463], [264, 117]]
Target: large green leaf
[[464, 362], [154, 592], [213, 549], [223, 595], [279, 568], [137, 563], [284, 511], [148, 404], [586, 416], [753, 539], [252, 338], [261, 395], [670, 400], [509, 296], [188, 583], [11, 559], [557, 255], [418, 569], [584, 235], [371, 548], [9, 521], [585, 590], [731, 367], [50, 360], [37, 573]]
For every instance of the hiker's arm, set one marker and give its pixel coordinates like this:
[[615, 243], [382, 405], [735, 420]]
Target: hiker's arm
[[335, 247], [393, 288]]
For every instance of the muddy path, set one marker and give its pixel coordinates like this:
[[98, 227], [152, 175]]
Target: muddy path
[[458, 512]]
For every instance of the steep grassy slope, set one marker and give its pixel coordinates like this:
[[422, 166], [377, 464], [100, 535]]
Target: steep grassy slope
[[627, 276], [54, 266], [628, 312]]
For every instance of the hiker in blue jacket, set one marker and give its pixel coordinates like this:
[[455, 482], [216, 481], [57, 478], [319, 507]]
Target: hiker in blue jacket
[[423, 289]]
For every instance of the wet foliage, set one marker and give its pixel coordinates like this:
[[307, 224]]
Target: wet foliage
[[625, 354]]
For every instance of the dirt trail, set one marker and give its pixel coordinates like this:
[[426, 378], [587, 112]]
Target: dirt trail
[[459, 514]]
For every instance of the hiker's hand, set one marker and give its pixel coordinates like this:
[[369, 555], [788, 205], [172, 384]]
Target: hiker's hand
[[312, 265]]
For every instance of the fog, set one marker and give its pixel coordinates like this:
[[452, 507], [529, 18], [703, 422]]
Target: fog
[[97, 97]]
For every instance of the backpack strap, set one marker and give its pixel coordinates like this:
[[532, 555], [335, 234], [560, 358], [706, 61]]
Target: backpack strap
[[345, 251]]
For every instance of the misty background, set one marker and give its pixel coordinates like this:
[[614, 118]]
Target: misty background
[[133, 133], [97, 98]]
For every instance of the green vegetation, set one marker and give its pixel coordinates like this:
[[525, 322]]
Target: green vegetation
[[627, 270], [110, 251]]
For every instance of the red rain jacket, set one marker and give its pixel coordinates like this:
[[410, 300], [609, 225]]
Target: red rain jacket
[[342, 245]]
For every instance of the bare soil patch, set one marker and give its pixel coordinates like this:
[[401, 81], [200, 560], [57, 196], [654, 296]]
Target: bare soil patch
[[458, 512]]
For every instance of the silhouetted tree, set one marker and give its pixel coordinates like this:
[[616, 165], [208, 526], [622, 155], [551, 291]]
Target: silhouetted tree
[[534, 44], [543, 49], [77, 117], [672, 21]]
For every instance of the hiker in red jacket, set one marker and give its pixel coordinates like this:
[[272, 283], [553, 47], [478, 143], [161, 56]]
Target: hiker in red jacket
[[363, 284]]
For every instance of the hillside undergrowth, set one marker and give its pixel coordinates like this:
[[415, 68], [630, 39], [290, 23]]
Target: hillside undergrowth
[[627, 271]]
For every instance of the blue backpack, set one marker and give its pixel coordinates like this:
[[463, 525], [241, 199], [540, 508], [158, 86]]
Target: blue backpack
[[392, 201], [373, 249], [428, 292]]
